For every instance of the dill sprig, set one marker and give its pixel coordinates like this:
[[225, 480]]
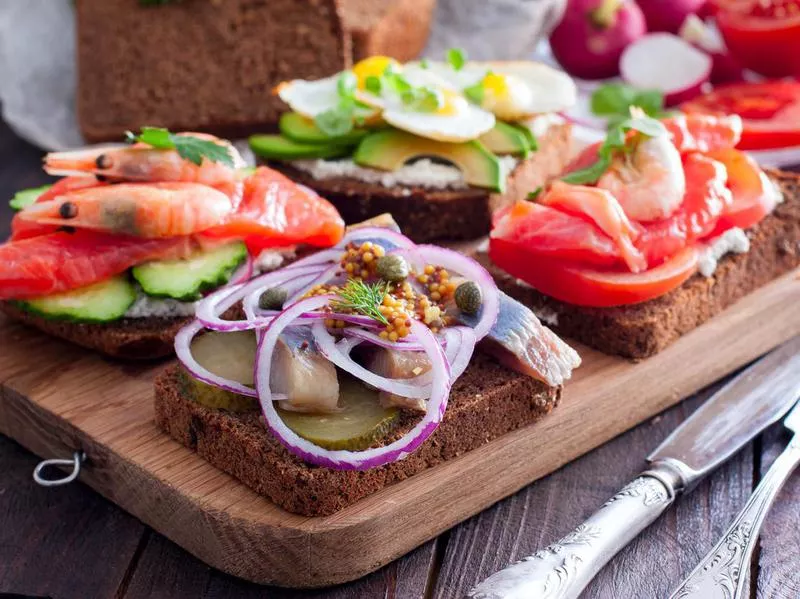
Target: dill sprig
[[362, 298]]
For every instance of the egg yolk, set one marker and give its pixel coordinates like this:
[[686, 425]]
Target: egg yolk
[[495, 84], [452, 103], [374, 66]]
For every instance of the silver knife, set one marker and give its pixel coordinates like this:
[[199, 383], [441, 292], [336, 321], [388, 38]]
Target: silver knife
[[755, 399], [721, 573]]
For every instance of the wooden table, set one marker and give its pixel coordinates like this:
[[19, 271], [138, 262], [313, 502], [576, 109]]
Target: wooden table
[[69, 542]]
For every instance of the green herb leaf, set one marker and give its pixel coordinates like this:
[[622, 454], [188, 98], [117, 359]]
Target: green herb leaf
[[336, 122], [25, 197], [424, 63], [362, 298], [615, 141], [456, 58], [373, 84], [535, 193], [189, 147], [614, 100], [346, 84], [475, 92]]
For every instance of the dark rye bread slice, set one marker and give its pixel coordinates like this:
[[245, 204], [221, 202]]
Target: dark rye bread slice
[[487, 401], [127, 338], [200, 65], [426, 214], [641, 330]]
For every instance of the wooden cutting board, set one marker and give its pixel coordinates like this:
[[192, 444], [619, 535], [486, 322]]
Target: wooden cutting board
[[55, 399]]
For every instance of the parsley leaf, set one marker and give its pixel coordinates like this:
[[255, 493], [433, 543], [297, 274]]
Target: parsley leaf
[[373, 84], [456, 58], [347, 84], [25, 197], [614, 100], [189, 147], [535, 193], [475, 92], [615, 141], [424, 63]]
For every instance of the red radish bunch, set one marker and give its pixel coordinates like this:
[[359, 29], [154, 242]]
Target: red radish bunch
[[669, 15], [592, 35]]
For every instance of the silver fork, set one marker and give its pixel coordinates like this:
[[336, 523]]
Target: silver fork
[[723, 570]]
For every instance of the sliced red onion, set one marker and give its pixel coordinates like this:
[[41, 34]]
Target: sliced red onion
[[397, 240], [244, 272], [324, 277], [326, 344], [343, 459], [210, 309], [323, 257], [409, 344], [464, 348], [468, 268], [183, 350]]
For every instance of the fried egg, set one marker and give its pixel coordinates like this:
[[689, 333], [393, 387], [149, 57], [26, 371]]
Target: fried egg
[[311, 98], [512, 90]]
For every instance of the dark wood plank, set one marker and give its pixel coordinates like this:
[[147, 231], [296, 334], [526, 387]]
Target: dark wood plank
[[779, 546], [548, 509], [165, 571], [66, 542]]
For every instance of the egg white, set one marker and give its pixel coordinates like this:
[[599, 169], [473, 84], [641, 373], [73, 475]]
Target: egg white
[[311, 98]]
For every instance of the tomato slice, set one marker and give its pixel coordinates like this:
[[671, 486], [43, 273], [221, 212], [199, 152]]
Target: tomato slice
[[763, 36], [705, 201], [770, 111], [585, 286], [754, 195], [275, 211], [550, 233]]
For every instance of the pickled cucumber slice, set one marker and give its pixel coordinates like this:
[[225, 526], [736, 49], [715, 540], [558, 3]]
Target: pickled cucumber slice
[[361, 422], [229, 355]]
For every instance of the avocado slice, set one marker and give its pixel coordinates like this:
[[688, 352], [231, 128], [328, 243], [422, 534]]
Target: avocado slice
[[528, 133], [298, 128], [390, 149], [505, 138], [277, 147]]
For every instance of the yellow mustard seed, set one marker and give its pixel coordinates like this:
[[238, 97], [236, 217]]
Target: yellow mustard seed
[[368, 257], [429, 269], [393, 336]]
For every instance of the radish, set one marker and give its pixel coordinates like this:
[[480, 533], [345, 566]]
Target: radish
[[725, 69], [667, 63], [592, 35], [669, 15]]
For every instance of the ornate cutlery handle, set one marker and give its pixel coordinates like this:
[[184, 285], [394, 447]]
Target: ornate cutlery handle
[[721, 573], [563, 569]]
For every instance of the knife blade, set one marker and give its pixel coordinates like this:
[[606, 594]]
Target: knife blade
[[756, 398]]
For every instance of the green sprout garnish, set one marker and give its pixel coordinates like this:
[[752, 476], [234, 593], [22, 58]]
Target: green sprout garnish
[[456, 58], [362, 298]]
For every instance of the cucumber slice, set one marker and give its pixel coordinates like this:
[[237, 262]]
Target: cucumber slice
[[361, 422], [186, 280], [229, 355], [100, 302], [26, 197], [277, 147], [301, 129]]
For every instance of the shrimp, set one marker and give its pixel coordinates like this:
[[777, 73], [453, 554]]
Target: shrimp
[[149, 210], [603, 208], [704, 132], [648, 181], [143, 163]]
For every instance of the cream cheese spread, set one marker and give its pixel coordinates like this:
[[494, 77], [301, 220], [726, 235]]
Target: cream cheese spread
[[732, 241], [145, 306], [540, 124]]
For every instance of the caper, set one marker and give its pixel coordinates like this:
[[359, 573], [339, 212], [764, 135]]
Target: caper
[[272, 299], [468, 297], [392, 268]]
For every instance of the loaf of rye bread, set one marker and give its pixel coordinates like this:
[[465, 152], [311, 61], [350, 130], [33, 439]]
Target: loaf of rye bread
[[207, 65], [641, 330], [430, 214], [487, 401]]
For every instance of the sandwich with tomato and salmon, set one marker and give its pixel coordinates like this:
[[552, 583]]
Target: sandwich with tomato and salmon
[[115, 255], [649, 234]]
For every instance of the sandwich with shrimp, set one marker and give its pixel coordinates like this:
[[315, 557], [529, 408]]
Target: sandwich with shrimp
[[115, 254], [649, 234], [355, 367], [439, 145]]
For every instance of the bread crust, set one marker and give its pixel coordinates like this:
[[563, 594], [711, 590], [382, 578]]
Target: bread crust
[[427, 215], [487, 401], [642, 330]]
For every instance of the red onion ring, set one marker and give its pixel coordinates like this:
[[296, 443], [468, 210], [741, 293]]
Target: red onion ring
[[343, 459]]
